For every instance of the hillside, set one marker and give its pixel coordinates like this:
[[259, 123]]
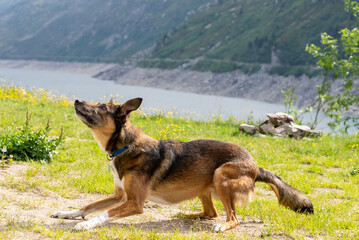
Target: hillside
[[198, 35], [86, 30], [251, 31]]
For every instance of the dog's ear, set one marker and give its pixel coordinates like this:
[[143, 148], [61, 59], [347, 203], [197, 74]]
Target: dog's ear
[[131, 105]]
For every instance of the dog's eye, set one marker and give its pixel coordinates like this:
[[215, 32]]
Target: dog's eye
[[103, 107]]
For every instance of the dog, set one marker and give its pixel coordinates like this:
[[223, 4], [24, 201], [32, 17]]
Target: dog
[[169, 171]]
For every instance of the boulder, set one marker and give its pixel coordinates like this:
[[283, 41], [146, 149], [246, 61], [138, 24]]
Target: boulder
[[297, 131], [281, 130], [266, 128], [248, 128], [281, 125], [278, 119]]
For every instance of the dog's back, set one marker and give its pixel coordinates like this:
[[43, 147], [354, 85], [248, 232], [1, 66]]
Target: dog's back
[[201, 158]]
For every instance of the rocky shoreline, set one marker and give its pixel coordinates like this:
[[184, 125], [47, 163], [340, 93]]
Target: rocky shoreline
[[259, 86]]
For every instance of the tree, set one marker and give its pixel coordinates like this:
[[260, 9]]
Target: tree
[[339, 59]]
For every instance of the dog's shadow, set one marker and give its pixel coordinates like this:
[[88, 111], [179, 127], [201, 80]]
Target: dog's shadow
[[181, 225], [170, 225], [186, 225]]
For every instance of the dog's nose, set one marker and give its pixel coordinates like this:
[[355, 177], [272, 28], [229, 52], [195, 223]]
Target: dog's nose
[[77, 102]]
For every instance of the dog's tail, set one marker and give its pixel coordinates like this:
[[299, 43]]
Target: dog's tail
[[286, 194]]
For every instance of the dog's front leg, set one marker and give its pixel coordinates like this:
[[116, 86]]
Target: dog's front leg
[[136, 192], [115, 199], [129, 208]]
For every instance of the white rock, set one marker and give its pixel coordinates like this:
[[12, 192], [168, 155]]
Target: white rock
[[248, 128], [278, 119], [267, 128]]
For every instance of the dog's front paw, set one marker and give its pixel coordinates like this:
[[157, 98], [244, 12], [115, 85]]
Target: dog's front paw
[[67, 214], [84, 226], [225, 226], [218, 228], [93, 222]]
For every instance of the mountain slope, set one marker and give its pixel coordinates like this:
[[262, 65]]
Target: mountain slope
[[86, 30], [254, 31], [202, 35]]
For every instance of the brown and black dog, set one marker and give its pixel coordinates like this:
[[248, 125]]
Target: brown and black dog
[[168, 171]]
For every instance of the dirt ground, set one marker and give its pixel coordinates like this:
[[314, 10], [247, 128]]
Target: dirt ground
[[33, 206]]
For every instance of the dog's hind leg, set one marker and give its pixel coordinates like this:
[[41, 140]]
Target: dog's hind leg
[[209, 211], [116, 199], [234, 185]]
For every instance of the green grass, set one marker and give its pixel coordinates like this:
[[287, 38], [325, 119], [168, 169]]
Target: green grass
[[322, 168]]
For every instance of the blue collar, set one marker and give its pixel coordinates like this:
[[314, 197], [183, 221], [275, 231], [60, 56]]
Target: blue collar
[[119, 151]]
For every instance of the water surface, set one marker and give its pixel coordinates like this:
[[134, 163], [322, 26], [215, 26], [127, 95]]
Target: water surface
[[87, 88]]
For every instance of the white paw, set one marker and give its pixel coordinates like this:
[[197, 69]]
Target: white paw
[[93, 222], [67, 214], [84, 226], [218, 228]]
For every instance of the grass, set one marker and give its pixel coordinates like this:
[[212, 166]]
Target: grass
[[325, 169]]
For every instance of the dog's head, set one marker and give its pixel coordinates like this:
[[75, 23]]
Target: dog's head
[[104, 119], [105, 115]]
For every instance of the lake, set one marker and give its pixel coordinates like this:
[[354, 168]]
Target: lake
[[85, 87]]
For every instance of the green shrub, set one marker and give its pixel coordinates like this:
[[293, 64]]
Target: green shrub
[[26, 143]]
